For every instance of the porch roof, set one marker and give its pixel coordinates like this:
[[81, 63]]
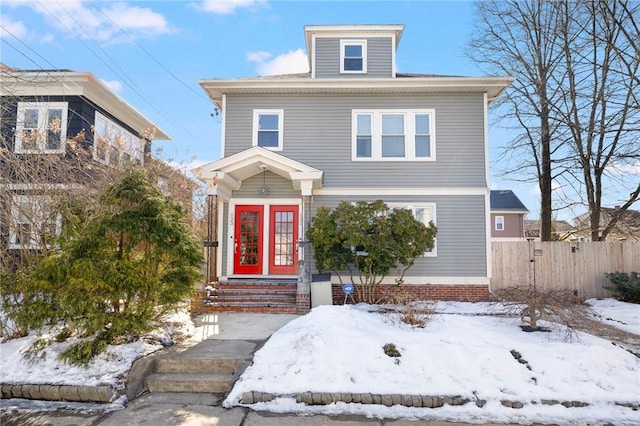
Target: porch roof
[[226, 175]]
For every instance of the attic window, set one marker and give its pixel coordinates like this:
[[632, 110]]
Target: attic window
[[353, 56]]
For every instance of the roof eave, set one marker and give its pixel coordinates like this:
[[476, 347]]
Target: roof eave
[[493, 86], [79, 84]]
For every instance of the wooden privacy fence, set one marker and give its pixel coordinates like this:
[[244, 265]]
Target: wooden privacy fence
[[576, 266]]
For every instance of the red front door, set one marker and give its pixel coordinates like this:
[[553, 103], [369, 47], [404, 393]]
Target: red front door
[[283, 240], [247, 253]]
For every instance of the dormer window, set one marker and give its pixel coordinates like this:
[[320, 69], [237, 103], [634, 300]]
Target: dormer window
[[353, 56]]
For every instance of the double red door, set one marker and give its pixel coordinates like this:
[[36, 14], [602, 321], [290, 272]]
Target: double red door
[[255, 224]]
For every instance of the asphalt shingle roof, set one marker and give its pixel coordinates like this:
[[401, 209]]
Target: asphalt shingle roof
[[505, 200]]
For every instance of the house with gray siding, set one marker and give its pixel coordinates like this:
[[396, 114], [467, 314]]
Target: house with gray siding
[[351, 129]]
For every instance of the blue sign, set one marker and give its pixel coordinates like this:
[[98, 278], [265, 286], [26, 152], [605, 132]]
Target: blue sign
[[347, 288]]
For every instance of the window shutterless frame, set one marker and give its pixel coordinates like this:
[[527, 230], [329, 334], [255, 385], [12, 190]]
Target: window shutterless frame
[[41, 127], [393, 135], [353, 56], [268, 128]]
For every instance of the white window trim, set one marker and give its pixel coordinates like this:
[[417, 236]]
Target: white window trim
[[412, 206], [280, 113], [40, 201], [410, 133], [43, 108], [134, 148], [499, 220], [362, 43]]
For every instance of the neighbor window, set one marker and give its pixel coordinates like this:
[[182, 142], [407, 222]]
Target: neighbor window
[[267, 129], [33, 222], [423, 212], [353, 56], [499, 223], [41, 127], [114, 145], [391, 135]]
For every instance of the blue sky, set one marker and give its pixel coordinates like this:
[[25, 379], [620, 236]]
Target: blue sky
[[152, 53]]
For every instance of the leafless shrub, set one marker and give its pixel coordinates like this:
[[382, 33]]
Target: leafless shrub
[[554, 307], [410, 311]]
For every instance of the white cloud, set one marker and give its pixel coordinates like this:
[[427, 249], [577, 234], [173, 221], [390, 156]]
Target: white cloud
[[294, 61], [259, 56], [10, 29], [225, 7], [114, 85], [100, 21], [137, 19]]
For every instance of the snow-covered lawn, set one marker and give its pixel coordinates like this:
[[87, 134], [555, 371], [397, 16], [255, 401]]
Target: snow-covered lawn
[[464, 350], [625, 316], [339, 349]]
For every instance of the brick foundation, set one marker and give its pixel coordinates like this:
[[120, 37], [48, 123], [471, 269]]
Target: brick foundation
[[303, 303], [444, 292]]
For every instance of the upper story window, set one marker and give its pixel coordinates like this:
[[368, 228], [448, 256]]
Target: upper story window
[[114, 145], [41, 127], [393, 135], [353, 56], [33, 222], [423, 212], [499, 220], [267, 128]]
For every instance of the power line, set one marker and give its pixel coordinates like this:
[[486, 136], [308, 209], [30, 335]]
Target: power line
[[199, 94]]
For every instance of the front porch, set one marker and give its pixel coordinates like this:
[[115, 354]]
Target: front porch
[[259, 203]]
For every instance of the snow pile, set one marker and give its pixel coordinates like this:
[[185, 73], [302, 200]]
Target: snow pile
[[338, 349]]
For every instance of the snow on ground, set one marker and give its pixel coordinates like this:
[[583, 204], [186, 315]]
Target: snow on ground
[[464, 350], [109, 368], [338, 349], [625, 316]]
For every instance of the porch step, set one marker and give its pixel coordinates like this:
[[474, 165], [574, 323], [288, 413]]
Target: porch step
[[253, 295]]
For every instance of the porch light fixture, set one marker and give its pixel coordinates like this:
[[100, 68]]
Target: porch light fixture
[[263, 191]]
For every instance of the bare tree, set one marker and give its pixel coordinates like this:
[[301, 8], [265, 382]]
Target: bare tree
[[600, 107], [575, 101], [511, 37]]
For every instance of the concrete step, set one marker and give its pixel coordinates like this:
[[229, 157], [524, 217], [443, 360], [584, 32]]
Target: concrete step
[[190, 382], [190, 365]]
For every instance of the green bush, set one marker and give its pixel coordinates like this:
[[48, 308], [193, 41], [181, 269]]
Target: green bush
[[626, 286], [368, 241], [131, 258]]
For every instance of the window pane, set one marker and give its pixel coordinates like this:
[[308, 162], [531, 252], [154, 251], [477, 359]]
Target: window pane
[[422, 124], [352, 64], [268, 122], [393, 124], [393, 146], [30, 119], [268, 139], [353, 51], [364, 124], [114, 156], [423, 148], [363, 148], [54, 129]]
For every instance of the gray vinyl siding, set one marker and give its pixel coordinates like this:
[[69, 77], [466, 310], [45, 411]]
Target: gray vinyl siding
[[461, 239], [379, 58], [317, 132], [279, 187]]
